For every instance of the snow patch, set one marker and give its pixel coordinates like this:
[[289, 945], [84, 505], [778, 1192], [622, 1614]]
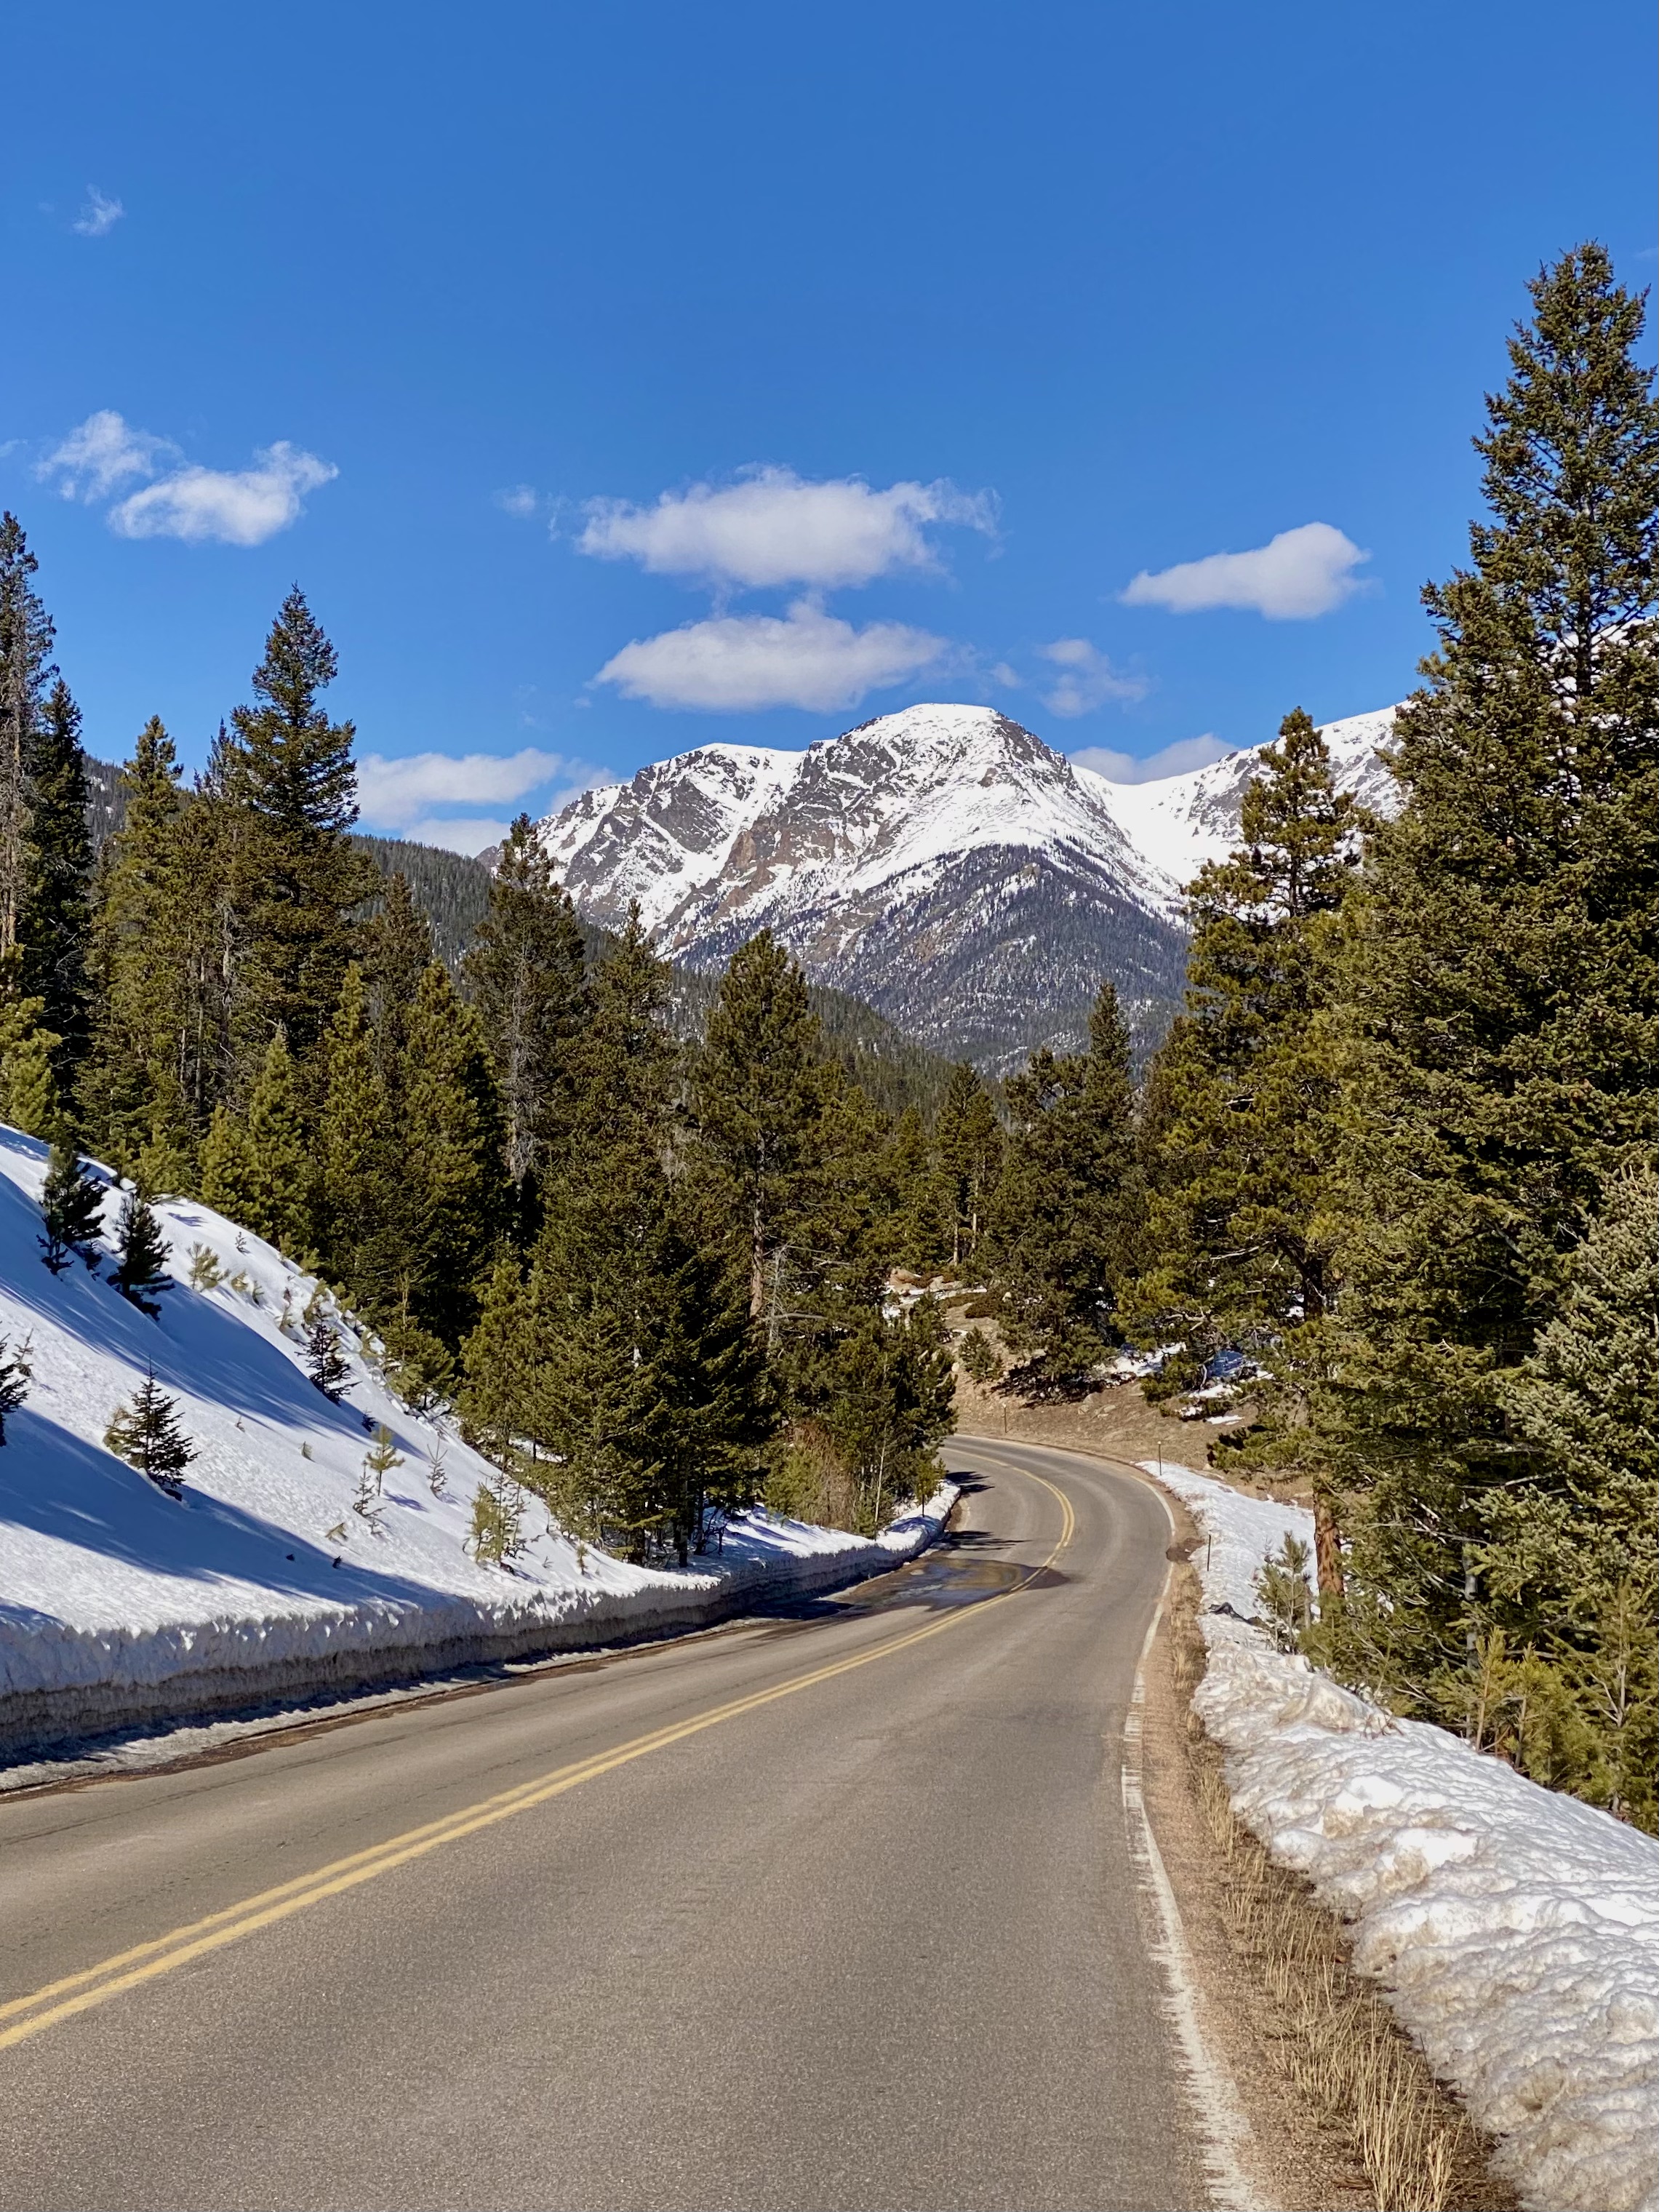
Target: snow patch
[[1516, 1931]]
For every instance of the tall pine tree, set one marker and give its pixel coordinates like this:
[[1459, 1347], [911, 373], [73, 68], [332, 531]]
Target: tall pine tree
[[1499, 1003]]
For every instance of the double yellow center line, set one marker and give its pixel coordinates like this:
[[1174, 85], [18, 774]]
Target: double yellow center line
[[25, 2017]]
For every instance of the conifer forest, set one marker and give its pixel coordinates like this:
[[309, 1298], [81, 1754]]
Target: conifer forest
[[1393, 1160]]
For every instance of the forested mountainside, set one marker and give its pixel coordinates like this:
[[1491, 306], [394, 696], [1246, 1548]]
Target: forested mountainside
[[453, 891]]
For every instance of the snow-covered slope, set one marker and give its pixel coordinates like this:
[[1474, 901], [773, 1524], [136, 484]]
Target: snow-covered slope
[[1516, 1931], [1178, 823], [944, 864], [117, 1602]]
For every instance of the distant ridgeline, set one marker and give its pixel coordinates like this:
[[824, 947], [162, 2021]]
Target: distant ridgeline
[[453, 892]]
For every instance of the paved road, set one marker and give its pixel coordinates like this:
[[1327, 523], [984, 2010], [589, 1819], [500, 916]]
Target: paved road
[[828, 1911]]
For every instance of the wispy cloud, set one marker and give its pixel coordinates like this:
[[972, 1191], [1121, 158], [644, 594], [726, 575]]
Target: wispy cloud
[[234, 506], [1087, 679], [101, 454], [519, 499], [410, 797], [231, 507], [1299, 574], [772, 528], [1185, 754], [741, 663], [100, 216]]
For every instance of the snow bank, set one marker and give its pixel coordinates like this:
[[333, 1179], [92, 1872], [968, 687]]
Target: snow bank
[[1516, 1931], [119, 1604]]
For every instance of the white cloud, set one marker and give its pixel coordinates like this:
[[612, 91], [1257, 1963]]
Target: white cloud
[[1087, 679], [234, 506], [100, 216], [401, 794], [772, 527], [739, 663], [518, 499], [1186, 753], [1299, 574], [102, 454], [456, 834]]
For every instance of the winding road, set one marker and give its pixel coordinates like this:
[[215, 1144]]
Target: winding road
[[837, 1909]]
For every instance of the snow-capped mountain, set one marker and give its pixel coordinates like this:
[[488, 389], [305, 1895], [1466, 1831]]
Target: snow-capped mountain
[[943, 864]]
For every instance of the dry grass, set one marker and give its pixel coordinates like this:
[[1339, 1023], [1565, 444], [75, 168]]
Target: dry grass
[[1328, 2031]]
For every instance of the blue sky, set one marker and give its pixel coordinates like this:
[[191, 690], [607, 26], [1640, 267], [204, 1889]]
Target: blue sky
[[616, 379]]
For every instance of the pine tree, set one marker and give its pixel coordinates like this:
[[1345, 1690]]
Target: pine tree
[[1240, 1124], [328, 1368], [968, 1138], [299, 877], [451, 1168], [919, 1233], [230, 1174], [397, 950], [358, 1166], [1498, 1002], [71, 1207], [141, 1255], [28, 1089], [758, 1107], [499, 1362], [381, 1459], [15, 1375], [146, 1435], [281, 1156], [1066, 1221], [526, 973], [25, 671], [131, 1090], [55, 923]]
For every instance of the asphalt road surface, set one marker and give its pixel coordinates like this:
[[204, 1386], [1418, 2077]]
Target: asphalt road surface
[[833, 1909]]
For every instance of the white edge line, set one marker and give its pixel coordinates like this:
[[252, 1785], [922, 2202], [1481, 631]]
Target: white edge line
[[1223, 2128]]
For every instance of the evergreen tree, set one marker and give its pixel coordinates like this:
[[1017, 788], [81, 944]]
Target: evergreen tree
[[968, 1138], [1240, 1124], [15, 1376], [919, 1233], [526, 973], [131, 1090], [25, 671], [146, 1434], [396, 953], [230, 1173], [141, 1253], [451, 1168], [499, 1361], [56, 924], [757, 1108], [280, 1155], [359, 1170], [1066, 1222], [1498, 1000], [381, 1459], [71, 1207], [328, 1368], [299, 877], [28, 1089]]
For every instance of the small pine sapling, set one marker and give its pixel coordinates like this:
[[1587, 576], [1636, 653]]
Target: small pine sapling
[[980, 1360], [205, 1272], [326, 1365], [72, 1209], [146, 1434], [367, 1501], [141, 1255], [437, 1479], [497, 1530], [1285, 1593], [15, 1375], [381, 1457]]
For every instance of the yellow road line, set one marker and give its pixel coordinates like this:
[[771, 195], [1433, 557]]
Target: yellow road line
[[95, 1985]]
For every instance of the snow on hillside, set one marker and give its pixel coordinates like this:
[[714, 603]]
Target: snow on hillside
[[117, 1602], [1179, 822], [1516, 1931]]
